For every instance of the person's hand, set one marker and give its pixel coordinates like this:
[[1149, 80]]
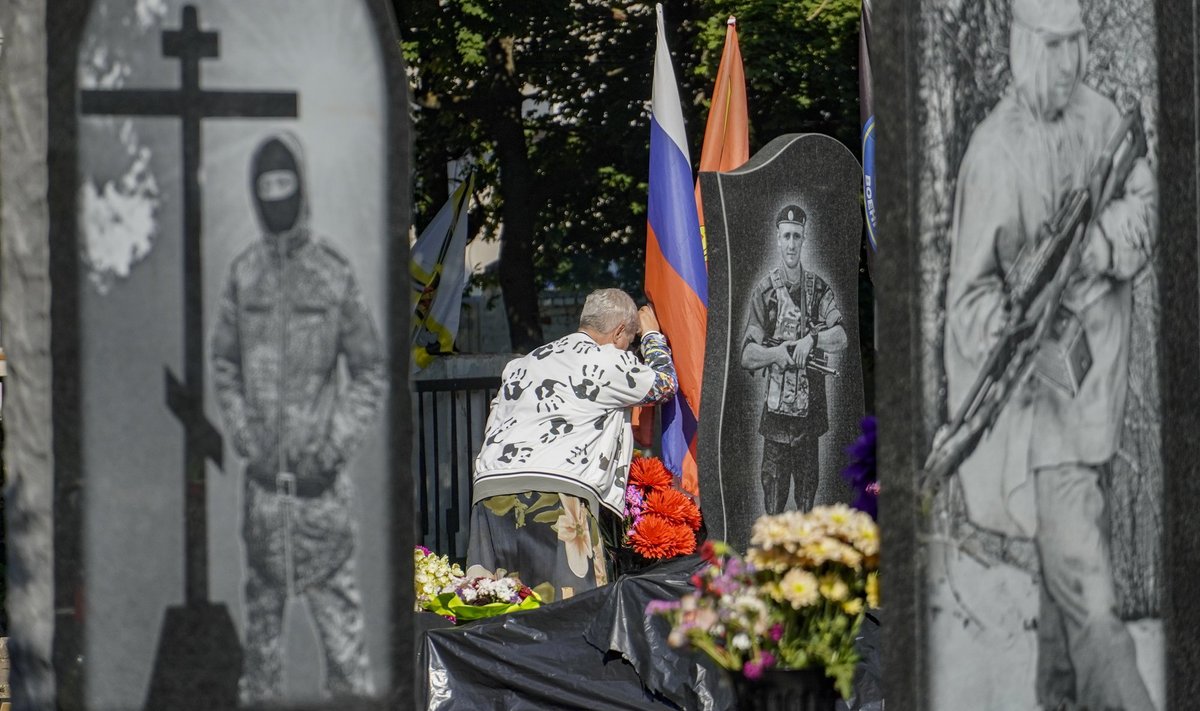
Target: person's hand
[[783, 354], [263, 468], [803, 348], [647, 321], [1097, 252], [1028, 390], [317, 468]]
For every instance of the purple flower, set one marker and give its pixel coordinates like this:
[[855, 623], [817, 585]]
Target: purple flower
[[867, 502], [424, 550], [658, 607], [861, 472], [754, 668], [735, 567], [635, 502], [776, 633]]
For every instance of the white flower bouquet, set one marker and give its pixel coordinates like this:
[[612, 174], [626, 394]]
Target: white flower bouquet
[[480, 593], [431, 574]]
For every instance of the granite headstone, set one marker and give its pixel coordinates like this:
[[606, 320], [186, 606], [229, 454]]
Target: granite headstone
[[783, 232], [1069, 468], [212, 260]]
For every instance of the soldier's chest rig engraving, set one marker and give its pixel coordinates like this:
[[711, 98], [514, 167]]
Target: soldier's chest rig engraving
[[788, 388]]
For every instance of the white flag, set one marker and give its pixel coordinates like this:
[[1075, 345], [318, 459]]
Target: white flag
[[438, 268]]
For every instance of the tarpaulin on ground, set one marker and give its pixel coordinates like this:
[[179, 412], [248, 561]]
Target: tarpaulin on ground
[[597, 645]]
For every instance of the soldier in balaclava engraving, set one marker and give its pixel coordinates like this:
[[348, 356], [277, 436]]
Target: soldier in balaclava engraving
[[290, 317]]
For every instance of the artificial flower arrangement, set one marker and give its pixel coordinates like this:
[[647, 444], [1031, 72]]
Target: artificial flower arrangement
[[443, 588], [660, 520], [796, 601]]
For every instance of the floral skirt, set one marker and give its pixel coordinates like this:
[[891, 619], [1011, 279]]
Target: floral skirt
[[542, 537]]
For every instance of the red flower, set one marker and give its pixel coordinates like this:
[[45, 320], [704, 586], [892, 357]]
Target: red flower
[[708, 553], [657, 537], [649, 472], [675, 506]]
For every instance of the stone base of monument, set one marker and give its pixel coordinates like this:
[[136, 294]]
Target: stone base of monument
[[198, 662]]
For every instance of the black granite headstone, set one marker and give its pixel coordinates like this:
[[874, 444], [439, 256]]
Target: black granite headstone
[[783, 245], [1073, 469], [228, 204]]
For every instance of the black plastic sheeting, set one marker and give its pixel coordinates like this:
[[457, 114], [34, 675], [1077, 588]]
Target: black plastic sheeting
[[596, 650]]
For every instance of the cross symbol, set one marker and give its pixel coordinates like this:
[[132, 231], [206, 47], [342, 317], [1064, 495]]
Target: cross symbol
[[186, 399]]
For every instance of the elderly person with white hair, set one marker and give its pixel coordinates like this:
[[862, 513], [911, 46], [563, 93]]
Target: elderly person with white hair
[[1037, 473], [558, 444]]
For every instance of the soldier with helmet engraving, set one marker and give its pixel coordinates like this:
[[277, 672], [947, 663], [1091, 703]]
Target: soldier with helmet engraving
[[794, 320]]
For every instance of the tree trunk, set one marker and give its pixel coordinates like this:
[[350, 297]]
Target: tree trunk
[[518, 213]]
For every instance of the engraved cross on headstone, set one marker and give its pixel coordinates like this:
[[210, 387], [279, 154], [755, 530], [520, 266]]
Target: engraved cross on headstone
[[190, 103]]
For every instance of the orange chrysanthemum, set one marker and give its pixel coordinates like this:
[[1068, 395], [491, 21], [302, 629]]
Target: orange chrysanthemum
[[655, 537], [675, 506], [649, 472]]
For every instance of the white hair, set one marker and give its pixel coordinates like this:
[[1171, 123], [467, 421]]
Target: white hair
[[605, 309]]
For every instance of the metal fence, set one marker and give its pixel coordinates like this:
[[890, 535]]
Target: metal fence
[[450, 418]]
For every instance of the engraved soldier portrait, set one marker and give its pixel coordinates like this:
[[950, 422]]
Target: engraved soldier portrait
[[234, 205], [793, 322], [291, 321], [1052, 226]]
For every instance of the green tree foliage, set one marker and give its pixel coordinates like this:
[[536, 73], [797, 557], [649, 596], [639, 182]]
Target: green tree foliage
[[801, 64], [550, 100]]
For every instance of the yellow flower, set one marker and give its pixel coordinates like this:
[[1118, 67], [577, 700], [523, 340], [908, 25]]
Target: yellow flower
[[873, 590], [836, 517], [789, 530], [866, 538], [853, 606], [777, 561], [799, 587], [431, 574], [827, 550], [834, 588]]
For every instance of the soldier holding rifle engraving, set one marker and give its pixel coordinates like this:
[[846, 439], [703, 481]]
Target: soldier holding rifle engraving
[[1036, 470], [794, 320]]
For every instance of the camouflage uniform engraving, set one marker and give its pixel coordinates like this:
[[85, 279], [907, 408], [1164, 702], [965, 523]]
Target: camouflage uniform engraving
[[291, 313]]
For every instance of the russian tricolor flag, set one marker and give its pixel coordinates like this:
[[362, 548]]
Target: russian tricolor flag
[[676, 277]]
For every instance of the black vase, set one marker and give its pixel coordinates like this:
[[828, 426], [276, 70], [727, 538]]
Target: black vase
[[786, 690]]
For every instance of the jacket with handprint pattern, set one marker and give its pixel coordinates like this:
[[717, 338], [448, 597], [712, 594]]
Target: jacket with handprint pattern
[[560, 422]]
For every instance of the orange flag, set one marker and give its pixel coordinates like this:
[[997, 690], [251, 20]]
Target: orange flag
[[726, 147], [727, 134]]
